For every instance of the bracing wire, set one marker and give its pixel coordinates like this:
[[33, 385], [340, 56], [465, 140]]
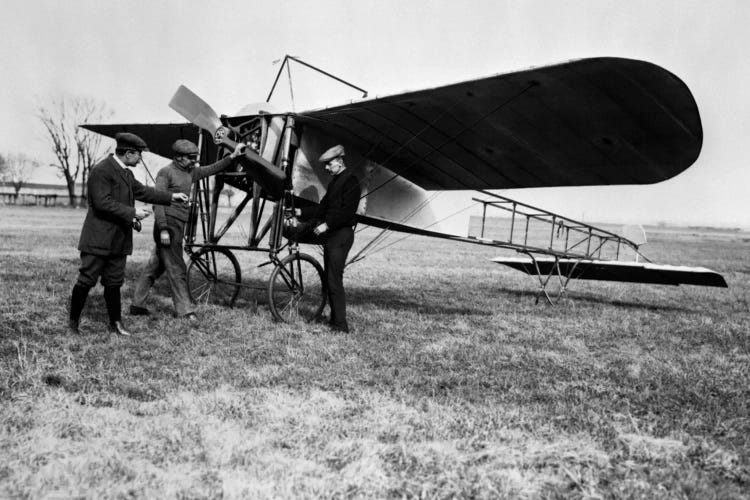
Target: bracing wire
[[291, 86], [452, 138], [380, 237], [381, 248], [148, 171]]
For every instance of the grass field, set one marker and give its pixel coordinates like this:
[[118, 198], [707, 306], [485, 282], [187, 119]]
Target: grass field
[[453, 384]]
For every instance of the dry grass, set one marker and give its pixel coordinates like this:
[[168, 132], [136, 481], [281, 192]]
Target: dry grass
[[453, 384]]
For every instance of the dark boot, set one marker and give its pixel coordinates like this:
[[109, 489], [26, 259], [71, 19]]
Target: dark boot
[[112, 300], [73, 328], [118, 328], [77, 301]]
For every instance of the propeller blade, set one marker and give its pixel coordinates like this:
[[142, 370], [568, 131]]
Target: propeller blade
[[195, 110], [198, 112]]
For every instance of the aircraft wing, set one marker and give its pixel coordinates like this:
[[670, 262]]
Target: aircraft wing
[[600, 121], [158, 136]]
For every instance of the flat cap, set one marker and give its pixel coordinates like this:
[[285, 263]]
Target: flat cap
[[184, 147], [126, 140], [332, 153]]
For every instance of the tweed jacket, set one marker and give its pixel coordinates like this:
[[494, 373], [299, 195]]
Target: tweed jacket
[[112, 191]]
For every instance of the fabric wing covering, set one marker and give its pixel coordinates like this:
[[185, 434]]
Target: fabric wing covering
[[633, 272], [600, 121], [158, 137]]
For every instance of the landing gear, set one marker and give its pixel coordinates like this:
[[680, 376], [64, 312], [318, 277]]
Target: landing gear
[[296, 289], [213, 277]]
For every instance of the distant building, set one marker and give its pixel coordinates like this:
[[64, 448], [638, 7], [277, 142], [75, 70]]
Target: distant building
[[35, 194], [41, 194]]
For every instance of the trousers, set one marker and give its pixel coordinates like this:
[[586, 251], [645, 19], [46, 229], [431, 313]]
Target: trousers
[[167, 260], [336, 249], [110, 268]]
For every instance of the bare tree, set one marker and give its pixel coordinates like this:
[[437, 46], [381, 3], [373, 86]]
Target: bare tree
[[18, 169], [76, 149]]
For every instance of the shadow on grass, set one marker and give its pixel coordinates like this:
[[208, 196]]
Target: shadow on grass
[[588, 298], [427, 303]]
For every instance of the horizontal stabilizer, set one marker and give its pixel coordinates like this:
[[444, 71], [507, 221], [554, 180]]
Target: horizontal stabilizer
[[631, 272]]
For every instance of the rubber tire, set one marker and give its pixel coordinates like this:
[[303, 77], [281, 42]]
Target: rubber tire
[[204, 286], [291, 298]]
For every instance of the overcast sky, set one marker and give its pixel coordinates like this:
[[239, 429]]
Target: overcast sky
[[133, 55]]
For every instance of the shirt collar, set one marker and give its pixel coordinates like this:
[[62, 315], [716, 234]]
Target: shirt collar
[[119, 162]]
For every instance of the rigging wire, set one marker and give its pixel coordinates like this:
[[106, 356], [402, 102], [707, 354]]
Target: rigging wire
[[143, 162], [352, 261], [291, 87], [383, 234], [380, 237], [454, 137], [427, 127], [415, 210], [373, 244]]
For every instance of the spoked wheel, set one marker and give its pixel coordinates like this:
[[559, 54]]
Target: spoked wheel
[[296, 290], [213, 277]]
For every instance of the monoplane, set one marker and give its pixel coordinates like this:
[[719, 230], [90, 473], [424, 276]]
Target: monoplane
[[596, 121]]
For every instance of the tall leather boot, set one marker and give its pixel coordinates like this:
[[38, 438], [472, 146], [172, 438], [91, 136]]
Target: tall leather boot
[[112, 300], [77, 301]]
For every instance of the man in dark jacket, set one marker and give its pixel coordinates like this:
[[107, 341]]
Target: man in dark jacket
[[107, 234], [169, 228], [337, 215]]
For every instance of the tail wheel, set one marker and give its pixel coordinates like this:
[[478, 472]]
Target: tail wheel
[[213, 277], [296, 289]]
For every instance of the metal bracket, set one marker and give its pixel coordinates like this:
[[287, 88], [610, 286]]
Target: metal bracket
[[287, 58]]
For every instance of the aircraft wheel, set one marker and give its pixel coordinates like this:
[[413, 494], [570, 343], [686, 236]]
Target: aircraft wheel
[[213, 277], [296, 290]]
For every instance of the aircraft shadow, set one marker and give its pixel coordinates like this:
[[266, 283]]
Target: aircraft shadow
[[394, 299], [579, 297], [389, 298]]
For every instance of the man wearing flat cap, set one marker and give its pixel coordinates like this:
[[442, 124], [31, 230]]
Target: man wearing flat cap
[[337, 213], [107, 233], [169, 228]]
